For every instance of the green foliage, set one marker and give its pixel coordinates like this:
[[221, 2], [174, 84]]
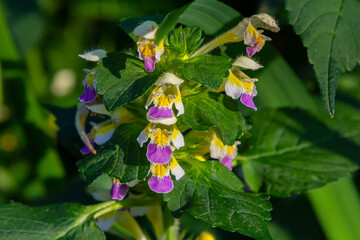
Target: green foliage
[[121, 78], [211, 15], [293, 151], [168, 24], [212, 193], [207, 70], [330, 31], [185, 40], [62, 221], [121, 157], [210, 109]]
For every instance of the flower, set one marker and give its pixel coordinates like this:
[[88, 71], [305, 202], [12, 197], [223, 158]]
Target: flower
[[89, 85], [80, 120], [222, 152], [253, 37], [159, 150], [238, 84], [118, 190], [161, 181], [164, 96], [246, 30], [148, 50]]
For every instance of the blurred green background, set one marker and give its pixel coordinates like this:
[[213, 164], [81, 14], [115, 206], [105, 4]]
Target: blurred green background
[[39, 66]]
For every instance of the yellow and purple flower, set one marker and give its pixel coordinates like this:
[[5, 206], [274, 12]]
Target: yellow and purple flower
[[148, 50], [89, 84], [164, 96], [224, 153], [159, 150], [161, 181], [238, 84]]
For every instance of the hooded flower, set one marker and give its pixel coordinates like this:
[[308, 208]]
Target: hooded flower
[[222, 152], [159, 150], [246, 30], [161, 181], [164, 96], [89, 85], [118, 190], [148, 50], [238, 84]]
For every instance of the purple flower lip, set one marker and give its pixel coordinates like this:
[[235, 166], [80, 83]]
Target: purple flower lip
[[161, 185], [89, 94], [118, 191], [227, 162], [247, 100], [158, 154], [85, 149], [149, 63], [157, 112]]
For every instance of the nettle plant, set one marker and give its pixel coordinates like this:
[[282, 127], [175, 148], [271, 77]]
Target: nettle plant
[[171, 126]]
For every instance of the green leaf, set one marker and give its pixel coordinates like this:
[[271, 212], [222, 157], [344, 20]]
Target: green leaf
[[210, 192], [121, 78], [169, 23], [330, 30], [185, 40], [62, 221], [209, 109], [211, 15], [207, 70], [294, 151], [121, 157]]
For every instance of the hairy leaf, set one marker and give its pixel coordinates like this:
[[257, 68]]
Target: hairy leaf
[[62, 221], [121, 78], [293, 151], [330, 30], [206, 70], [209, 109], [121, 157], [210, 192], [185, 40]]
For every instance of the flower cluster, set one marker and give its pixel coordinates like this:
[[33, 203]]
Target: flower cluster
[[164, 135]]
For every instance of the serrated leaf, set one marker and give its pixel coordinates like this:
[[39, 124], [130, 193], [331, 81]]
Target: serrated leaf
[[121, 157], [121, 78], [294, 151], [62, 221], [209, 109], [209, 71], [185, 40], [210, 192], [331, 32]]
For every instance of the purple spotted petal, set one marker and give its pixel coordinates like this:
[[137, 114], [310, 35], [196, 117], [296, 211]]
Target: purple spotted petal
[[89, 94], [158, 154], [161, 185], [149, 63], [85, 150], [227, 161], [157, 112], [118, 190], [247, 100]]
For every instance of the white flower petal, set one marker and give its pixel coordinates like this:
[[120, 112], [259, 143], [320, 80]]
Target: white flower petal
[[247, 63], [165, 121], [264, 21], [146, 30], [177, 138], [142, 138], [168, 78], [178, 172], [100, 139], [93, 55], [106, 221], [232, 90], [98, 108]]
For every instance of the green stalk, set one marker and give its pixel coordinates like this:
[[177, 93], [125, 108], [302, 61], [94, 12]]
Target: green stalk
[[337, 207]]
